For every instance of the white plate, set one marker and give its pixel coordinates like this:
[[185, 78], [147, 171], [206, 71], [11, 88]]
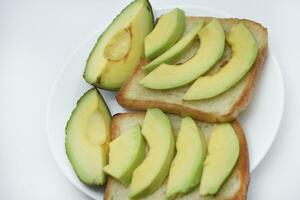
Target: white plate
[[260, 121]]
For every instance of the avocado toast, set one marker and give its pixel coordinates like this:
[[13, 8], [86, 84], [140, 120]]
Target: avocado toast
[[234, 188], [221, 108]]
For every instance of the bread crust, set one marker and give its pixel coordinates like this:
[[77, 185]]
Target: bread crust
[[168, 107], [242, 165], [247, 93], [233, 112]]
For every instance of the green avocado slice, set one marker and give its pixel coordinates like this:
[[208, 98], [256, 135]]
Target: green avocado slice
[[223, 153], [151, 173], [87, 137], [126, 152], [120, 47], [172, 54], [212, 43], [244, 52], [187, 166], [165, 34]]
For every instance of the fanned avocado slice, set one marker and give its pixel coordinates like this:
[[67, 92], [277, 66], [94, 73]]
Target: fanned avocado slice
[[151, 173], [223, 153], [244, 52], [166, 33], [187, 166], [212, 43], [120, 47], [87, 137], [172, 54], [126, 152]]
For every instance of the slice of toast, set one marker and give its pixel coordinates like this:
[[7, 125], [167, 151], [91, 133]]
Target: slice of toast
[[222, 108], [234, 188]]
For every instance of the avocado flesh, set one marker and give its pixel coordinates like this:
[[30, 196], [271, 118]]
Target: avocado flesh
[[150, 175], [172, 54], [165, 34], [118, 46], [244, 52], [212, 43], [223, 153], [110, 74], [186, 168], [87, 137], [126, 152]]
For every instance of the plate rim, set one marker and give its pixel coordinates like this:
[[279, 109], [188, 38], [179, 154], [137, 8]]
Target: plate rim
[[160, 9], [282, 106]]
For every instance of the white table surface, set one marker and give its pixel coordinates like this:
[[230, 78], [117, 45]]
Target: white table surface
[[37, 36]]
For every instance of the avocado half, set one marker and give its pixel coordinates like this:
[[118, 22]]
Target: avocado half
[[87, 137], [120, 47]]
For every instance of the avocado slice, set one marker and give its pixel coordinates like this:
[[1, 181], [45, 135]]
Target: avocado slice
[[149, 176], [166, 33], [212, 43], [244, 52], [187, 166], [172, 54], [126, 152], [87, 137], [120, 47], [223, 153]]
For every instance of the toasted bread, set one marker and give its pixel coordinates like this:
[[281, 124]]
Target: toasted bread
[[234, 188], [222, 108]]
